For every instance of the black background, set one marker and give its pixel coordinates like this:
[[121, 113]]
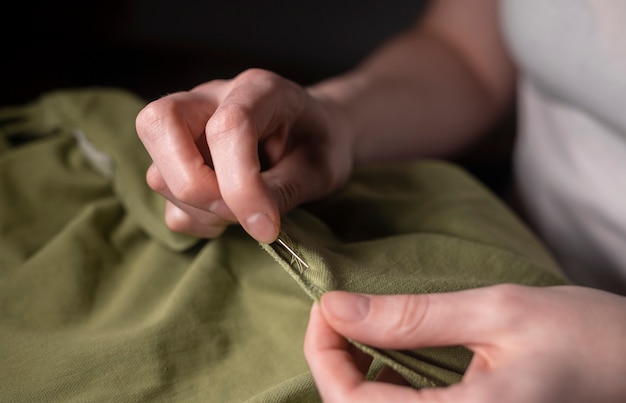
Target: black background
[[159, 46], [153, 47]]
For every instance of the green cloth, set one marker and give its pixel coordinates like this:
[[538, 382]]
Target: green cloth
[[99, 301]]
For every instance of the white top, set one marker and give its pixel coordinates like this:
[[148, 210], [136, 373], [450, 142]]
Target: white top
[[570, 156]]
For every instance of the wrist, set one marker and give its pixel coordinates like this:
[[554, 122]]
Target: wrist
[[337, 97]]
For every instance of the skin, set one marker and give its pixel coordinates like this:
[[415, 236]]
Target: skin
[[257, 118], [559, 344], [246, 150], [444, 76]]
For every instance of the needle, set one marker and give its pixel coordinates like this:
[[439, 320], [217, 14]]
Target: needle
[[291, 251]]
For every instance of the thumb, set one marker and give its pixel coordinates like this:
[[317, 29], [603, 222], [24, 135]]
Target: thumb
[[408, 321]]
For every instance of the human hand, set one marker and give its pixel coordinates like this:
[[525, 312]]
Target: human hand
[[242, 150], [556, 344]]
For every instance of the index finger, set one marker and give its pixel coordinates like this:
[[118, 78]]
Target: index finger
[[259, 105], [338, 378], [169, 129]]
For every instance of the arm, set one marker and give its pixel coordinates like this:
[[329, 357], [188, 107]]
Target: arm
[[249, 149], [431, 91]]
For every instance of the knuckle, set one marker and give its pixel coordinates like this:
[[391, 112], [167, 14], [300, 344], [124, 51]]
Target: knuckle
[[505, 295], [186, 192], [265, 82], [228, 117], [411, 316], [209, 86], [153, 115], [258, 75], [508, 305]]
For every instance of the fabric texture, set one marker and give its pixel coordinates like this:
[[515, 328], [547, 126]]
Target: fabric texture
[[99, 301]]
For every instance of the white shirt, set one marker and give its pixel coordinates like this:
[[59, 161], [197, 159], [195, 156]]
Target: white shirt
[[570, 155]]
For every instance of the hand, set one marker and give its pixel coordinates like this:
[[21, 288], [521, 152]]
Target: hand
[[557, 344], [242, 150]]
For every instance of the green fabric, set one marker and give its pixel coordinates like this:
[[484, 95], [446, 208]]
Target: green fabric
[[99, 301]]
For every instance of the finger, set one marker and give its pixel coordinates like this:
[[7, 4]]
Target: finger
[[331, 365], [215, 209], [259, 105], [179, 220], [471, 317], [169, 129], [317, 166], [183, 218], [297, 179], [336, 376]]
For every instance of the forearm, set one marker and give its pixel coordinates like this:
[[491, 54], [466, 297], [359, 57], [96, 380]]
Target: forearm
[[417, 96]]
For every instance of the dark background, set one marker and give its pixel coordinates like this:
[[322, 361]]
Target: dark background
[[153, 47], [157, 46]]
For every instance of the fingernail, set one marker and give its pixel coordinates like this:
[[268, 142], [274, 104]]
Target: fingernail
[[262, 227], [346, 306]]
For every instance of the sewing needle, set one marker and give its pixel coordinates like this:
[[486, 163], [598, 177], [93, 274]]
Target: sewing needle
[[291, 251]]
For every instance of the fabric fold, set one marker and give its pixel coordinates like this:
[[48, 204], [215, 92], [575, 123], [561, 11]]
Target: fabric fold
[[102, 121], [99, 301], [413, 228]]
